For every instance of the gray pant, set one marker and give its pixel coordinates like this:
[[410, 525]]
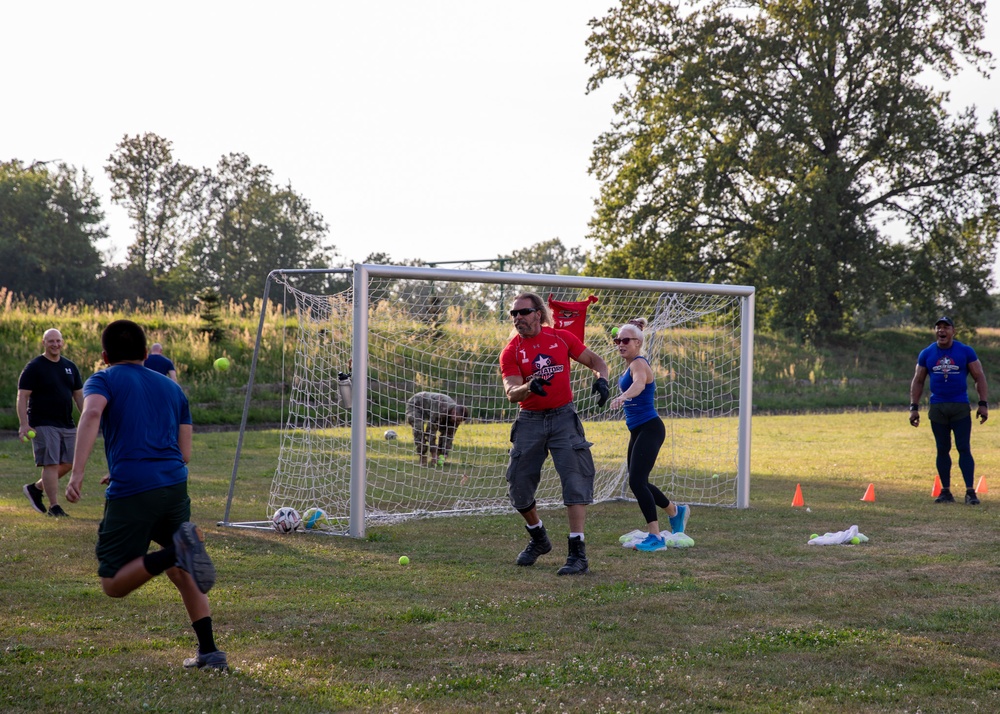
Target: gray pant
[[533, 437]]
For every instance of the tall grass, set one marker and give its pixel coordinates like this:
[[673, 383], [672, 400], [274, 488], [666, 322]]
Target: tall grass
[[873, 370]]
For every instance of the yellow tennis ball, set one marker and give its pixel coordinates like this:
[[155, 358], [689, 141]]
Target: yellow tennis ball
[[31, 433], [855, 540], [814, 535], [403, 560], [222, 364]]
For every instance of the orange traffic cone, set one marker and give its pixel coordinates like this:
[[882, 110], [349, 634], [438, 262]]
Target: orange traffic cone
[[869, 494], [797, 500], [936, 490], [981, 488]]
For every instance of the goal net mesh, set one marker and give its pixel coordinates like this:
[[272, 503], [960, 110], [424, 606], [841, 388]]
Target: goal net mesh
[[445, 336]]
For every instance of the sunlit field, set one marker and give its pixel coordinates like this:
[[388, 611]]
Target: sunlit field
[[750, 619]]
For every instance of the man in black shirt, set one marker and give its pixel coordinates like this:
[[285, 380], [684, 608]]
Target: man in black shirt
[[46, 391]]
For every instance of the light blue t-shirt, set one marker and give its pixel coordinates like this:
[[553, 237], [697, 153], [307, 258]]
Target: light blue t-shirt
[[641, 408], [948, 370], [140, 424]]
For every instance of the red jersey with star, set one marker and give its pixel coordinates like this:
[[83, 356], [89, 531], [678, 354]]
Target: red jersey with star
[[547, 355]]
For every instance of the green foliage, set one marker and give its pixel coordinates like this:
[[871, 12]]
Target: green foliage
[[768, 143], [50, 221], [157, 192]]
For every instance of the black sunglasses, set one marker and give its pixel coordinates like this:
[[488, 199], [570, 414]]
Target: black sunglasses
[[523, 311], [624, 340]]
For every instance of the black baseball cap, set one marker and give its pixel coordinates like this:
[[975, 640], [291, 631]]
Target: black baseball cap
[[946, 320]]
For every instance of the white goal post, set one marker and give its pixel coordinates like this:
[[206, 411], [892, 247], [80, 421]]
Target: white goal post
[[403, 330]]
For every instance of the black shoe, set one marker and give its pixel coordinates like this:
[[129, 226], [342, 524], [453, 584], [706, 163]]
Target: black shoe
[[57, 512], [538, 545], [971, 499], [212, 660], [34, 495], [576, 563], [189, 542], [945, 497]]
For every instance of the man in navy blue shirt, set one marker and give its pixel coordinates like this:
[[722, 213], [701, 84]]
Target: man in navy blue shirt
[[949, 363], [157, 362], [146, 423]]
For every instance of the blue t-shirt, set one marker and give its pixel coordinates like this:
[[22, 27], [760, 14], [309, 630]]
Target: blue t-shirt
[[641, 408], [140, 424], [159, 363], [948, 370]]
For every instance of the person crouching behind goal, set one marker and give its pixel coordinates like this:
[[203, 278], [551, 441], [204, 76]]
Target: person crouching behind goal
[[435, 418], [535, 366]]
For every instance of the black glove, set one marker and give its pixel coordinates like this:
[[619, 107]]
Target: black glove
[[536, 384], [600, 388]]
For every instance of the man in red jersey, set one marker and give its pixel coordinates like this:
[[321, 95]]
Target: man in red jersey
[[535, 366]]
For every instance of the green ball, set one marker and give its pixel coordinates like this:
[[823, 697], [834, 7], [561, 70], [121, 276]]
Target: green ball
[[614, 332], [855, 540], [403, 560], [221, 364], [814, 535]]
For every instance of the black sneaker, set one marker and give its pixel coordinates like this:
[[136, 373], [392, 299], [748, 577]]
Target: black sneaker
[[34, 495], [57, 512], [212, 660], [189, 542], [945, 497], [971, 499], [538, 545]]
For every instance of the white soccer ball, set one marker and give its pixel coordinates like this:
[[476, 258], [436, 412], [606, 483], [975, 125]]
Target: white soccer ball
[[390, 434], [315, 518], [286, 519]]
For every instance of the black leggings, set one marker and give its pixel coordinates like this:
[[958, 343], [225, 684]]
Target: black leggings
[[963, 436], [643, 448]]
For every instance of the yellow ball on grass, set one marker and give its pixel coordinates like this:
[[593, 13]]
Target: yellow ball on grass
[[221, 364], [403, 560]]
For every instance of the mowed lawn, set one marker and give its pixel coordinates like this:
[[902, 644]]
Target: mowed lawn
[[751, 619]]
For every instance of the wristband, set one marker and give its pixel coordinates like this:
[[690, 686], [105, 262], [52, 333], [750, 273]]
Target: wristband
[[914, 407], [984, 404]]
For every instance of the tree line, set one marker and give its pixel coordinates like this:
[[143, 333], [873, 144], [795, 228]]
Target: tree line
[[797, 147]]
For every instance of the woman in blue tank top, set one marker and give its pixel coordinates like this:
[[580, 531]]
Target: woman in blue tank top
[[646, 431]]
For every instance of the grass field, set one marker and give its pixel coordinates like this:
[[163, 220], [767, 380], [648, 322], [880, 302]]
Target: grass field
[[751, 619]]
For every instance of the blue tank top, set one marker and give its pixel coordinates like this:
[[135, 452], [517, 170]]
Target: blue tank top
[[640, 409]]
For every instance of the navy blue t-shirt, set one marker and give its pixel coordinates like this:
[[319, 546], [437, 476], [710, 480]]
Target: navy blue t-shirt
[[948, 370], [51, 385], [159, 363], [140, 424]]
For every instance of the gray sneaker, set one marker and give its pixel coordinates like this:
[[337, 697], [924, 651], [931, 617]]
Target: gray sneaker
[[189, 542], [212, 660]]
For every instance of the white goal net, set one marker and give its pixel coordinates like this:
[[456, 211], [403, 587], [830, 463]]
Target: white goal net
[[409, 334]]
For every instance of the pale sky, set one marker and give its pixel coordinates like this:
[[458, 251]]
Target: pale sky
[[433, 129]]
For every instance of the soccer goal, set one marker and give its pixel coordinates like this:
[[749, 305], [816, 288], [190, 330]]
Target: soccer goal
[[359, 356]]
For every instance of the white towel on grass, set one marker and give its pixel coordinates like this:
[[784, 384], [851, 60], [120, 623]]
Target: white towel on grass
[[839, 538]]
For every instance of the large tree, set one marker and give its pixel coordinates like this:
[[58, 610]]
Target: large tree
[[158, 194], [50, 221], [249, 228], [770, 142]]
